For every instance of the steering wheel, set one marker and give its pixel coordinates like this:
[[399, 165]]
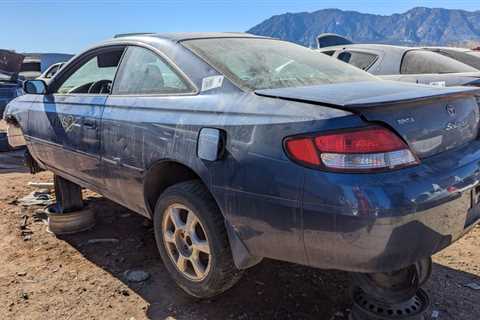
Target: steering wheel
[[102, 86]]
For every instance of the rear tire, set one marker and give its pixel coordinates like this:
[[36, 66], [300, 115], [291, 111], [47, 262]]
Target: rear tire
[[192, 240]]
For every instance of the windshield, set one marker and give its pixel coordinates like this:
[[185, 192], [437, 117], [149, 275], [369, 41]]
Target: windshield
[[253, 63]]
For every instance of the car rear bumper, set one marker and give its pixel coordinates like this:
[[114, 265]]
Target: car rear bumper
[[384, 222]]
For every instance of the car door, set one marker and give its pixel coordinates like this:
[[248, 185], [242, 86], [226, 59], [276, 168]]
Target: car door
[[65, 123], [139, 121]]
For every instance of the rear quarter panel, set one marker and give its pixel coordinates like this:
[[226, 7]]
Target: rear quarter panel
[[256, 186]]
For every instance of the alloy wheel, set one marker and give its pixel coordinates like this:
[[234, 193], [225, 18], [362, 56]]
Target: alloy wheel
[[186, 242]]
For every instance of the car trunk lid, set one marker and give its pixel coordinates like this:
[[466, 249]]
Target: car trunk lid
[[430, 119]]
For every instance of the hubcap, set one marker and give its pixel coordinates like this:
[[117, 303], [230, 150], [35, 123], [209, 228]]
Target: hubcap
[[186, 242]]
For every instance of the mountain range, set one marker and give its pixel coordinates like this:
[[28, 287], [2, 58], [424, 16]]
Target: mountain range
[[432, 26]]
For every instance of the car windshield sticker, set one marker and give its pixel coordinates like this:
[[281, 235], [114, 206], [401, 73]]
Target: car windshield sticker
[[212, 82]]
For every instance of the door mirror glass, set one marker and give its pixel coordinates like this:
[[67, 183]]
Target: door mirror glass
[[35, 87]]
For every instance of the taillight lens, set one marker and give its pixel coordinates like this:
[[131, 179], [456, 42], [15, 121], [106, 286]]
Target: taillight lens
[[365, 149]]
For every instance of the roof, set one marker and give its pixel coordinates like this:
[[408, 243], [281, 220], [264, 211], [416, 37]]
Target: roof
[[367, 46], [181, 36], [449, 49]]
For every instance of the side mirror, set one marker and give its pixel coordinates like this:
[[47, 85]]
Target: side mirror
[[35, 87]]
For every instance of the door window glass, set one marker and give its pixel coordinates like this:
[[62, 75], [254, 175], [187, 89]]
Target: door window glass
[[144, 72], [95, 76]]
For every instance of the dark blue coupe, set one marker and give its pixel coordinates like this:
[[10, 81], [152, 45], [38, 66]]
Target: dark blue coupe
[[242, 147]]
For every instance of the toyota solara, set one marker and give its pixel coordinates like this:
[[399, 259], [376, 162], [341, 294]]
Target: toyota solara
[[241, 148]]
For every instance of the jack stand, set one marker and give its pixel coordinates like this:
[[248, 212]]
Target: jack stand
[[68, 195], [68, 215], [393, 295]]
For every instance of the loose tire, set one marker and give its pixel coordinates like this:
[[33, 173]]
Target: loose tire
[[70, 222], [192, 240]]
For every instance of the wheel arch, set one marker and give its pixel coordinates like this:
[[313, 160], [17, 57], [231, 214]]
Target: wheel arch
[[156, 182], [163, 174]]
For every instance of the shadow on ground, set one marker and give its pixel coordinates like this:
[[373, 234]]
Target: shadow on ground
[[450, 296], [12, 161], [271, 290]]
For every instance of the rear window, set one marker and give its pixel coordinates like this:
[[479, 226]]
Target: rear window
[[360, 60], [254, 63], [425, 62], [470, 58]]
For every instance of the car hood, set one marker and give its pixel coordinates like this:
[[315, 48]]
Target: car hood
[[357, 95], [10, 64]]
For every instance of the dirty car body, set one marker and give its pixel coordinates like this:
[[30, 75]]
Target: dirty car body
[[276, 174]]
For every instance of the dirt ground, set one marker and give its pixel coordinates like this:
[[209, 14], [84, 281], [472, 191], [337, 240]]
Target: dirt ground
[[48, 277]]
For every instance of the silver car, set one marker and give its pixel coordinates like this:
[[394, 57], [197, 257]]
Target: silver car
[[408, 64]]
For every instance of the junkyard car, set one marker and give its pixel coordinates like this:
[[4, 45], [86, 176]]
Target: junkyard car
[[417, 65], [9, 90], [242, 147], [10, 64], [51, 71]]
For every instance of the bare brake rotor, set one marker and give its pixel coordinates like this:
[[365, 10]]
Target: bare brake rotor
[[395, 286], [392, 295]]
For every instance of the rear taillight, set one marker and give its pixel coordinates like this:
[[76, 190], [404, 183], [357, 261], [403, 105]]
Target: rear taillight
[[359, 150]]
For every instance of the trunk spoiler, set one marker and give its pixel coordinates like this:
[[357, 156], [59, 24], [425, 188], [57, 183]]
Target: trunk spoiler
[[331, 39], [356, 96]]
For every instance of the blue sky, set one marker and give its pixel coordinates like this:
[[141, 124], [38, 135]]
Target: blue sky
[[70, 26]]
